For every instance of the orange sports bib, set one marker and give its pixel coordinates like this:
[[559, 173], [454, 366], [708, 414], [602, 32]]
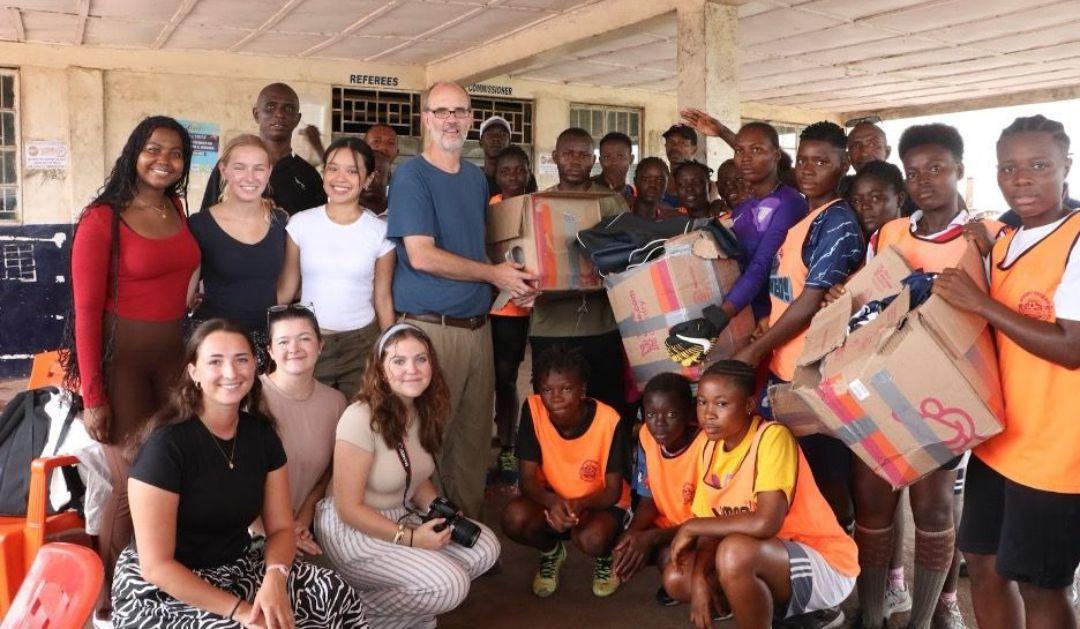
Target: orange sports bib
[[1038, 447], [932, 255], [671, 480], [575, 467], [809, 519], [785, 285]]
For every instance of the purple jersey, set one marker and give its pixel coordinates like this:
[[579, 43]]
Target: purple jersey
[[761, 226]]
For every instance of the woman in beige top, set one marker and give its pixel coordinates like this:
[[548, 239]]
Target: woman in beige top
[[406, 572], [306, 412]]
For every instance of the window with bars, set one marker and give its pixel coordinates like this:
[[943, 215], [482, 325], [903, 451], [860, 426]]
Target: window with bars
[[788, 132], [354, 111], [599, 120], [9, 150], [519, 113]]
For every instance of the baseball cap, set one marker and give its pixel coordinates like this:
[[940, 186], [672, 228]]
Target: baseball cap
[[495, 120], [683, 130]]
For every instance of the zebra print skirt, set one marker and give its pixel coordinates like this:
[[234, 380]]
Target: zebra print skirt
[[320, 598]]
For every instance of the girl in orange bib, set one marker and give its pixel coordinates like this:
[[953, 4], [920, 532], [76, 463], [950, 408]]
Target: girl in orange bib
[[664, 476], [763, 538], [1023, 485], [573, 463], [935, 237]]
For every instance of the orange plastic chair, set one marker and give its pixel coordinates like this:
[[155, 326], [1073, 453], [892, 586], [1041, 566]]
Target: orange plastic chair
[[60, 590], [46, 370], [22, 537]]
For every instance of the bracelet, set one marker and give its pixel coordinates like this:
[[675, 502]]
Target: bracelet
[[235, 607], [280, 567], [400, 533]]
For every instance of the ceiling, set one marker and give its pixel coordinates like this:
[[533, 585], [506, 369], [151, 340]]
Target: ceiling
[[834, 55]]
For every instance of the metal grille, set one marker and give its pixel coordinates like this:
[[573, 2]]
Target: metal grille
[[354, 111], [19, 262], [519, 113], [599, 120], [9, 150]]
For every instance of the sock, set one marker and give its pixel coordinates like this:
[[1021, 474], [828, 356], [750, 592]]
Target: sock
[[933, 555], [875, 550], [948, 598], [896, 578], [554, 551]]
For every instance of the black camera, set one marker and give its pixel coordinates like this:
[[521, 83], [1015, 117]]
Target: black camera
[[462, 530]]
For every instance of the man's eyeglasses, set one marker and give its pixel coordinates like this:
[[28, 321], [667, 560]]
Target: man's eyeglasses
[[442, 113]]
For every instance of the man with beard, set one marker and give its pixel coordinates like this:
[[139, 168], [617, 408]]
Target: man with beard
[[680, 145], [294, 184], [438, 205]]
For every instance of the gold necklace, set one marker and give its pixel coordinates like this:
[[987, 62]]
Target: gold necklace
[[232, 451], [162, 211]]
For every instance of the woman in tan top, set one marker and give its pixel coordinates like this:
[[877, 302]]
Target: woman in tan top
[[406, 572], [306, 412]]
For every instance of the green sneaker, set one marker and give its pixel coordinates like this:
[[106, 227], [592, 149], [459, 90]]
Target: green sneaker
[[604, 581], [546, 580]]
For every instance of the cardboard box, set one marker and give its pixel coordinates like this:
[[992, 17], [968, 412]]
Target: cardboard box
[[540, 231], [906, 392], [649, 299]]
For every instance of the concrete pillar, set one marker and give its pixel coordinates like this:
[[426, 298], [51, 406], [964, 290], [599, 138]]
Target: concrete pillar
[[707, 59], [86, 131]]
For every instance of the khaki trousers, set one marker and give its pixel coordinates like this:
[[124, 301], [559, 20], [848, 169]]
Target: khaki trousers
[[465, 358]]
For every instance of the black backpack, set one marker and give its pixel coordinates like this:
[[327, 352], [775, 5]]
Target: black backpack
[[24, 429]]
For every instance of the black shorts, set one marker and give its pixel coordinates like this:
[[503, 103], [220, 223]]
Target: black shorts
[[509, 335], [1032, 532]]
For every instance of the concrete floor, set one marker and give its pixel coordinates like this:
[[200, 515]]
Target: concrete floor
[[506, 600]]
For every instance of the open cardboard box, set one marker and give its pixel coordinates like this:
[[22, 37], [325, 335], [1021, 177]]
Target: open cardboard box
[[692, 273], [906, 392], [540, 230]]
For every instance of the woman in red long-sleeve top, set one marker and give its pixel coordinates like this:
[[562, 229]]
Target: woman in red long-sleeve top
[[132, 263]]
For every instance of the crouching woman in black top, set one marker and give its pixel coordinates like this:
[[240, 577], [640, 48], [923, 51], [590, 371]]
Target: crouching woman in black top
[[207, 470]]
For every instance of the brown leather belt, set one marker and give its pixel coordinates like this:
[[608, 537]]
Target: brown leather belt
[[470, 323]]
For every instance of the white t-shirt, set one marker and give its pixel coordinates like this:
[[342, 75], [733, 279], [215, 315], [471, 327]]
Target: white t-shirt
[[1067, 296], [337, 266]]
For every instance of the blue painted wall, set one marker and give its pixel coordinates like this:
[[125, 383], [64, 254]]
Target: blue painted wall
[[34, 293]]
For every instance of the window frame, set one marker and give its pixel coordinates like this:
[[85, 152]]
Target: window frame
[[606, 108], [19, 214]]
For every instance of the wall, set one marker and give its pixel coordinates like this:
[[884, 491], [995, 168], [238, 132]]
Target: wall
[[91, 98]]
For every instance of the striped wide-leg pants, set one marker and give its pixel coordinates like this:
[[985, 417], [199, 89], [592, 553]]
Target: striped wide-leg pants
[[402, 587]]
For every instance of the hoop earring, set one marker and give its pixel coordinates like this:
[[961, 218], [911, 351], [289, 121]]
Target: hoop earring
[[198, 385]]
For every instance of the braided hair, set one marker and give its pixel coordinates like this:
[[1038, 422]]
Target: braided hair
[[117, 193], [744, 376], [1038, 124]]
